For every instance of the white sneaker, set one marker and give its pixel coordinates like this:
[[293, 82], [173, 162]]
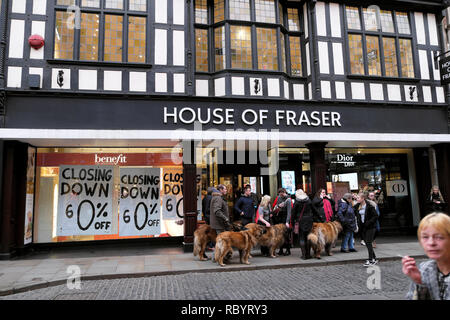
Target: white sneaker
[[370, 263], [363, 243]]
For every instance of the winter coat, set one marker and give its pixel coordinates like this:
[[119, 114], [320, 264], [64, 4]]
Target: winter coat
[[219, 216], [346, 215], [370, 216], [429, 289], [245, 204], [206, 204], [433, 206], [319, 211], [305, 223], [284, 215]]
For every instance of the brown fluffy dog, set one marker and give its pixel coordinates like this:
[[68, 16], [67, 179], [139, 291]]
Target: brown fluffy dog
[[202, 236], [274, 237], [324, 236], [205, 234], [244, 241]]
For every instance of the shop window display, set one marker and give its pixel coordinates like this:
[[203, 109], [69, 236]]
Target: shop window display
[[94, 194]]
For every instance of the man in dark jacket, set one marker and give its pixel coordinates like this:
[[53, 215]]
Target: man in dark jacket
[[367, 217], [206, 204], [245, 207], [219, 216], [346, 216]]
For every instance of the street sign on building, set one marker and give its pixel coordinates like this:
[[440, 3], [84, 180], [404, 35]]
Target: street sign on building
[[444, 69]]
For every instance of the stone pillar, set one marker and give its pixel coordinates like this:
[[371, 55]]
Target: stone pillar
[[318, 165], [189, 195], [443, 170]]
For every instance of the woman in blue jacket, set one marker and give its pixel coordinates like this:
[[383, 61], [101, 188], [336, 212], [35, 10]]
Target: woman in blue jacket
[[346, 216]]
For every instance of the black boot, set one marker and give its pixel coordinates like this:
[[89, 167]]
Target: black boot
[[307, 250], [303, 248], [288, 251]]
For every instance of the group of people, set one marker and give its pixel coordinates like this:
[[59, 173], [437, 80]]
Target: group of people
[[429, 280], [298, 215]]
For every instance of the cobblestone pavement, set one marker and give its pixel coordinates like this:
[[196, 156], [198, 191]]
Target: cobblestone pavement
[[346, 281]]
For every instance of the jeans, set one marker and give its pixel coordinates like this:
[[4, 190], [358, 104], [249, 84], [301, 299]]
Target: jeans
[[348, 239], [368, 238]]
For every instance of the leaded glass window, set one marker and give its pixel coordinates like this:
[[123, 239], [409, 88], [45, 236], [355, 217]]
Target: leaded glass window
[[137, 5], [241, 47], [265, 11], [261, 43], [353, 21], [136, 39], [113, 38], [89, 36], [64, 37], [383, 47], [219, 48], [201, 11], [296, 56], [201, 50], [356, 54], [293, 19], [267, 49], [118, 19], [239, 10]]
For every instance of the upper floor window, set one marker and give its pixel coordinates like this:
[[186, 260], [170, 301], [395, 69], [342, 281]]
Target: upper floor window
[[248, 34], [109, 30], [379, 44]]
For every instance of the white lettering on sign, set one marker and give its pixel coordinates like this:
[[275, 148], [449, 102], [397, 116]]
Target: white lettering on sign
[[188, 115], [110, 160], [346, 160]]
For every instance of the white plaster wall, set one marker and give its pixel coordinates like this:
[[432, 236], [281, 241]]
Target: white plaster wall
[[160, 47]]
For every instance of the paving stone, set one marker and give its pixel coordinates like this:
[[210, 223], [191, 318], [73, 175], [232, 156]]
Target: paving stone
[[345, 281]]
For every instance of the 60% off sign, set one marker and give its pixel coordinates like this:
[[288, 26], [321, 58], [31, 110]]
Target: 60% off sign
[[139, 202], [85, 200]]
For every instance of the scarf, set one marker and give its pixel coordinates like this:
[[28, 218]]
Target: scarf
[[327, 209]]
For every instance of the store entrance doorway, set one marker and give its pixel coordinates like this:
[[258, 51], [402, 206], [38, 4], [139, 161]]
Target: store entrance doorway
[[235, 178]]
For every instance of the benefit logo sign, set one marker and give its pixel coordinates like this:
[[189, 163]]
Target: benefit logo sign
[[139, 202], [85, 200]]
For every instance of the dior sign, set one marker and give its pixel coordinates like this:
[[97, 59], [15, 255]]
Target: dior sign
[[346, 160]]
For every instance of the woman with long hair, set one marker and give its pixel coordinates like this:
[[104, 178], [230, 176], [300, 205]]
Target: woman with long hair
[[367, 217], [322, 205], [263, 214], [436, 201], [263, 218]]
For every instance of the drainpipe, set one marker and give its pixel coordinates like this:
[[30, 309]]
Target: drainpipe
[[3, 29]]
